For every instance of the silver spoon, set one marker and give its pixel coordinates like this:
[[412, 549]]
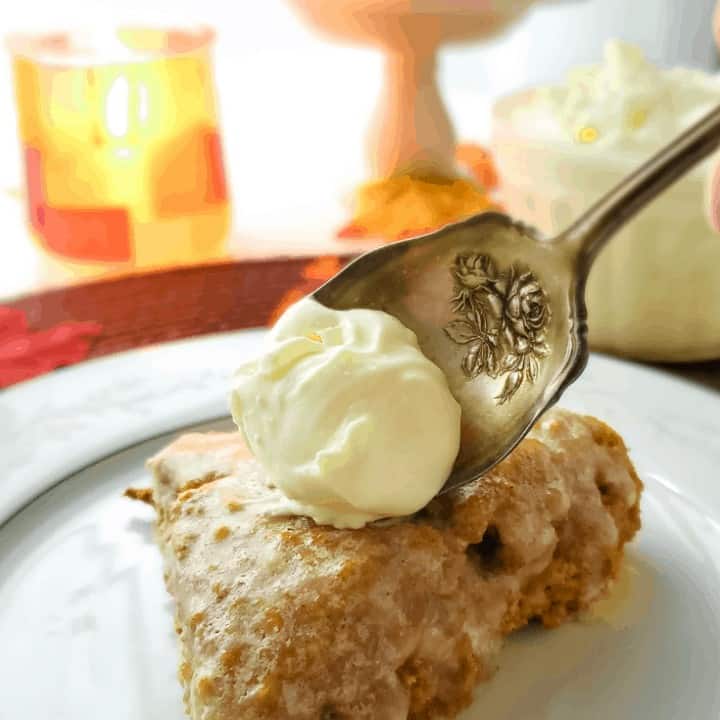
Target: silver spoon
[[501, 309]]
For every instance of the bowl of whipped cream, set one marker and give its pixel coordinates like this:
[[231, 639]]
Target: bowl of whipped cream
[[654, 292]]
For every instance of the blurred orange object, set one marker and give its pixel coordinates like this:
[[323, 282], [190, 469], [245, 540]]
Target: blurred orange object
[[478, 162], [314, 274], [122, 151], [404, 206]]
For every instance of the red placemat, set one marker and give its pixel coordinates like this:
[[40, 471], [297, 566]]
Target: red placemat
[[60, 327]]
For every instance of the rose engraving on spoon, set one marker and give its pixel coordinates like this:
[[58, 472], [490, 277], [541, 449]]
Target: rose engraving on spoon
[[501, 317]]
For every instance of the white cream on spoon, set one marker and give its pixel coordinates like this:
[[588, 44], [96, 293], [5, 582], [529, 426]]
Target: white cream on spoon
[[347, 416]]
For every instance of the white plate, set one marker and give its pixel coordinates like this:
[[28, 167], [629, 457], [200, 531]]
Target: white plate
[[86, 625]]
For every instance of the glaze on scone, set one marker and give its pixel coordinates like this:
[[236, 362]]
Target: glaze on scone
[[279, 618]]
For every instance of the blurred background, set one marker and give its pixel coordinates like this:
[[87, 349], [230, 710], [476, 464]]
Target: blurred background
[[289, 111]]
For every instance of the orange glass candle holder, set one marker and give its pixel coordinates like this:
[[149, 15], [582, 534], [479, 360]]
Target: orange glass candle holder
[[122, 150]]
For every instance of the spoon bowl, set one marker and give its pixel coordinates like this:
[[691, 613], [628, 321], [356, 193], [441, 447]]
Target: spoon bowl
[[494, 306], [501, 309]]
